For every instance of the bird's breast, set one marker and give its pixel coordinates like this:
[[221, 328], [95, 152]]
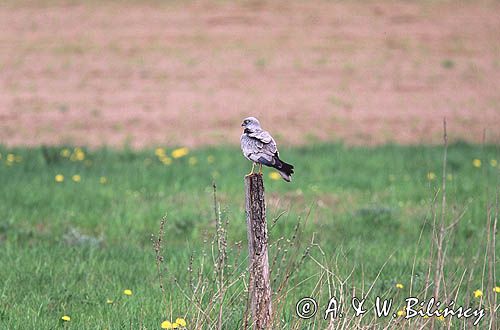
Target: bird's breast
[[248, 145]]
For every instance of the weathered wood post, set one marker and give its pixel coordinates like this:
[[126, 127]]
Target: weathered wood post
[[260, 287]]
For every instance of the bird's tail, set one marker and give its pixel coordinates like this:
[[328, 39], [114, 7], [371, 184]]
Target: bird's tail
[[284, 169]]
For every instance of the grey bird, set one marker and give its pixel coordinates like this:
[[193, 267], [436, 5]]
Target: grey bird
[[259, 147]]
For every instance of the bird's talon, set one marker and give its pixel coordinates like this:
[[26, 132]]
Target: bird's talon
[[251, 172]]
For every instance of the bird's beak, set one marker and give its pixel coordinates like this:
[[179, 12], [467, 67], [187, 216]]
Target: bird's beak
[[242, 124]]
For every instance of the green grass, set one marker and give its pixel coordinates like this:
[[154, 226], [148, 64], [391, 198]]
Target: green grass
[[68, 247]]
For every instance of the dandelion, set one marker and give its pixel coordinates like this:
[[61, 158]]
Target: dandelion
[[59, 178], [476, 162], [109, 301], [166, 325], [127, 292], [493, 162], [210, 159], [192, 161], [103, 180], [181, 321], [431, 176], [180, 152], [10, 159], [478, 293], [159, 152], [66, 318], [399, 285], [496, 289], [78, 155], [440, 318], [76, 178], [274, 175], [65, 153], [166, 160], [401, 313]]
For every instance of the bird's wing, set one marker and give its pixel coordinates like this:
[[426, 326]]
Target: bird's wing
[[263, 147], [262, 136]]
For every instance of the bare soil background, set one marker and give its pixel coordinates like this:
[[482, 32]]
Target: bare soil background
[[144, 73]]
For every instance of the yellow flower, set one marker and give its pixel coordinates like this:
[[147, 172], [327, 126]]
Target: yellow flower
[[478, 293], [192, 161], [476, 162], [103, 180], [166, 325], [76, 178], [78, 154], [109, 301], [11, 158], [159, 152], [175, 326], [127, 292], [181, 321], [274, 175], [431, 176], [180, 152], [493, 163], [59, 178], [399, 285], [401, 313], [66, 318], [166, 160], [440, 318], [210, 159], [496, 289], [65, 153]]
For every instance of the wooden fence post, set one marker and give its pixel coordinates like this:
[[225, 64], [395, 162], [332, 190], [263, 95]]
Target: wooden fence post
[[260, 287]]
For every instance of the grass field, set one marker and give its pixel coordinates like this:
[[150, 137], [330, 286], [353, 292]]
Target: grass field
[[73, 247]]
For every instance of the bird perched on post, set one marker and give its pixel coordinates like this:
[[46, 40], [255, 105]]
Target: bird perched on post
[[259, 147]]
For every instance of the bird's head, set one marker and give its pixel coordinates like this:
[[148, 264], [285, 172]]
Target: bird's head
[[251, 123]]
